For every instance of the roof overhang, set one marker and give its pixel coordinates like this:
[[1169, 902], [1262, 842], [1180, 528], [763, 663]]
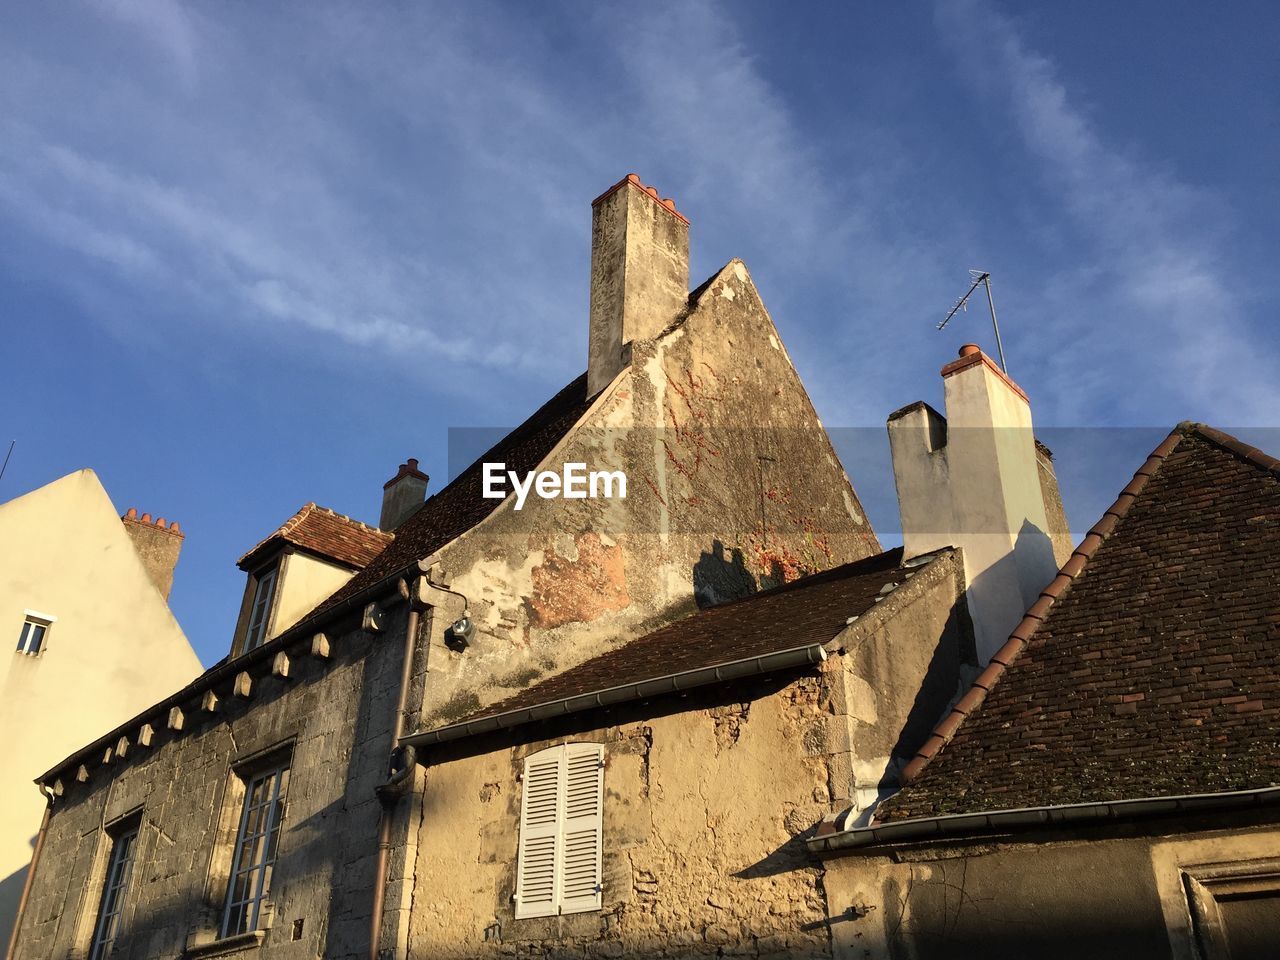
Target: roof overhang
[[971, 825], [642, 690]]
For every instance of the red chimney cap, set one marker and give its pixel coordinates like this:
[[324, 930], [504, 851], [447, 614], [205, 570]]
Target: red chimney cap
[[969, 349], [408, 469], [665, 202]]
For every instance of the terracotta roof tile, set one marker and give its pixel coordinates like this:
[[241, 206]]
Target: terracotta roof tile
[[327, 533], [1153, 672]]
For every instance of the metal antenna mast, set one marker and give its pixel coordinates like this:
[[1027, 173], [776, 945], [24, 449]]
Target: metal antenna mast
[[983, 278], [5, 465]]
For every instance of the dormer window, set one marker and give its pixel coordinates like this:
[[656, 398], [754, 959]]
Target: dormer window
[[260, 612]]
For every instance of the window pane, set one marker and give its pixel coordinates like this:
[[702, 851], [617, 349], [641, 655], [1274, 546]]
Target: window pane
[[115, 887], [37, 638], [255, 851]]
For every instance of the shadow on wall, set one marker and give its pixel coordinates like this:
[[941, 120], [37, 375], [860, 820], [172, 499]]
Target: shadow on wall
[[721, 575], [10, 894]]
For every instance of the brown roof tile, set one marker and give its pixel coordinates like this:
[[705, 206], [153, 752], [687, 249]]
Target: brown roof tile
[[1153, 670], [327, 533]]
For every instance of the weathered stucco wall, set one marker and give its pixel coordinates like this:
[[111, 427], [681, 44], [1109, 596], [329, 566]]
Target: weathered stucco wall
[[331, 715], [113, 649], [709, 797], [701, 809], [1095, 895], [732, 486]]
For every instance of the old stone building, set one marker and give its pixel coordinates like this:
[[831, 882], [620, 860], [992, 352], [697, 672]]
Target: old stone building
[[240, 812], [83, 606], [659, 724], [1109, 785]]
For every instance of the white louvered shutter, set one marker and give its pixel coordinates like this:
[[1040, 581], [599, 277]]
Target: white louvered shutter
[[580, 887], [536, 873]]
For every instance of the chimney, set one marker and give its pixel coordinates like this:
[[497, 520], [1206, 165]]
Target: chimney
[[639, 274], [157, 543], [973, 480], [402, 495]]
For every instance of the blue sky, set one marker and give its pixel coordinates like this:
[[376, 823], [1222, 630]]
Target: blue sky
[[253, 255]]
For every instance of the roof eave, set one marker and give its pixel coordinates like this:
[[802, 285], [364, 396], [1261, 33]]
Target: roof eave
[[958, 825]]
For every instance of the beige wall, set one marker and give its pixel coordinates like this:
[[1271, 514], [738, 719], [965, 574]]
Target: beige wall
[[114, 649], [1097, 894], [303, 582], [701, 808]]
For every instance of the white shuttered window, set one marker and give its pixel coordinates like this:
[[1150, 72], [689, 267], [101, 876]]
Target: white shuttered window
[[560, 831]]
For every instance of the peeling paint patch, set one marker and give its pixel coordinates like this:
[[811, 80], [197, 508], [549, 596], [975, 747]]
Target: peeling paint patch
[[579, 589]]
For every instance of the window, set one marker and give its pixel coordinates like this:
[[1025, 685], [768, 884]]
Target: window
[[114, 889], [34, 630], [260, 612], [255, 852], [560, 831], [1235, 908]]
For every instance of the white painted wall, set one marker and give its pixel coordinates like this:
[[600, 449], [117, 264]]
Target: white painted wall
[[979, 490], [114, 650]]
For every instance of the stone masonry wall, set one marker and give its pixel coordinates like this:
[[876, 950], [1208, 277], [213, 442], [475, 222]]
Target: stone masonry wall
[[330, 716]]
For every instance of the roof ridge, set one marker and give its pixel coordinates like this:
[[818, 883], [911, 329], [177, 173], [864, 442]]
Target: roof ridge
[[1098, 534], [1231, 444]]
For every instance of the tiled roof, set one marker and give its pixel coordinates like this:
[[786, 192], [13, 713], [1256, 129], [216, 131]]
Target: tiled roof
[[327, 533], [1150, 667], [811, 610], [460, 505]]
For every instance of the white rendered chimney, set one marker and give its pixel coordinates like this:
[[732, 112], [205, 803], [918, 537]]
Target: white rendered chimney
[[971, 480], [639, 274]]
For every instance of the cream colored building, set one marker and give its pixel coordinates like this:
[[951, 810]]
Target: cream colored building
[[90, 636]]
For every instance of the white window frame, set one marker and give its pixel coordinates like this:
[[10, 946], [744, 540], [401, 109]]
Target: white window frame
[[561, 846], [263, 836], [255, 634], [34, 618]]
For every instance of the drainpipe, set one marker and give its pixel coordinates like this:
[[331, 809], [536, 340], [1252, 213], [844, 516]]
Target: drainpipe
[[403, 764], [12, 949]]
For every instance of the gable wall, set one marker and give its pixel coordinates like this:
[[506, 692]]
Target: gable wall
[[689, 422]]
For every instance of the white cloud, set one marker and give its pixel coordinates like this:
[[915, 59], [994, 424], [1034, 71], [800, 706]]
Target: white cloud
[[1145, 312]]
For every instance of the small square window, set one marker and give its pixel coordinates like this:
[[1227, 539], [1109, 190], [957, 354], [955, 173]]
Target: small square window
[[34, 630]]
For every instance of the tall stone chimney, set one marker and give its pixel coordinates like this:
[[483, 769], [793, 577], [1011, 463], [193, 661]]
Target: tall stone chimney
[[639, 274], [158, 544], [402, 495], [973, 480]]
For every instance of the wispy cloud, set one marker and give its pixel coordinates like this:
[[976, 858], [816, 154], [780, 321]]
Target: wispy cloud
[[1143, 311]]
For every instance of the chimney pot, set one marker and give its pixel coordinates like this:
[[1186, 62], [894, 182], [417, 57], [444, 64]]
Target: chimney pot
[[161, 524], [132, 513], [146, 518], [969, 349], [174, 528]]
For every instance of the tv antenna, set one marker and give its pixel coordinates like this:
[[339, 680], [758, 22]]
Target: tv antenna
[[5, 465], [979, 277]]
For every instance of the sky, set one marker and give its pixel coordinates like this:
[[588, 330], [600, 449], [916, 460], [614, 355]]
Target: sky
[[255, 255]]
